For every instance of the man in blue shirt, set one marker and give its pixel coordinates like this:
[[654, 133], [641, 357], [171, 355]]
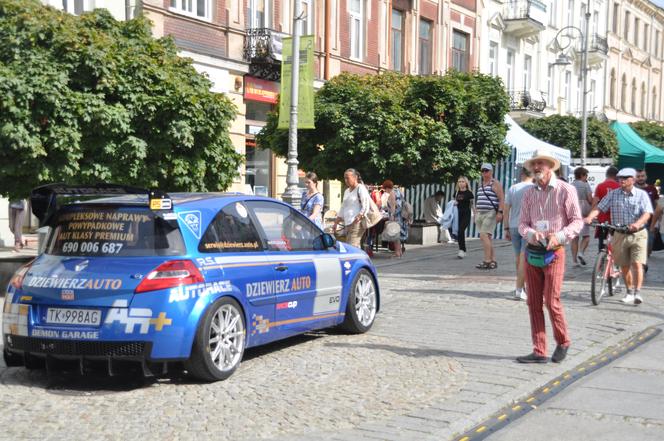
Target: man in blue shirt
[[631, 207]]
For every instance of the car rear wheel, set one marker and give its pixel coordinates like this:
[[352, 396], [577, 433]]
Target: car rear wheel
[[219, 343], [362, 304]]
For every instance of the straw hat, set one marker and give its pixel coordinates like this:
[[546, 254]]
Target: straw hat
[[545, 155]]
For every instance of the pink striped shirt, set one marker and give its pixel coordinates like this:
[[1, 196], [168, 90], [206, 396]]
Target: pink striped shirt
[[558, 204]]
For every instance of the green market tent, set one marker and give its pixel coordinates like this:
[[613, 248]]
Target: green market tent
[[634, 151]]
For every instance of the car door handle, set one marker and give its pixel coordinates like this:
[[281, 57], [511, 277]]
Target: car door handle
[[281, 267]]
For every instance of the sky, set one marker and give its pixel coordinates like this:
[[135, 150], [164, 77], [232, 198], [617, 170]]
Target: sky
[[659, 3]]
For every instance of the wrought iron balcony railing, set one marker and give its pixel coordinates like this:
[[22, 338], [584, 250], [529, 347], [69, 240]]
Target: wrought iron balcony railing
[[262, 45], [598, 44], [524, 9], [520, 100]]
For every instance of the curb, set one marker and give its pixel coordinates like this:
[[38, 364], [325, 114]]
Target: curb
[[531, 401]]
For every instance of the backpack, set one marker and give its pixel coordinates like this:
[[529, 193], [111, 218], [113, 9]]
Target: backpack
[[407, 211]]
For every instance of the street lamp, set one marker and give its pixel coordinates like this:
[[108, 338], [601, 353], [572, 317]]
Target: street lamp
[[564, 60]]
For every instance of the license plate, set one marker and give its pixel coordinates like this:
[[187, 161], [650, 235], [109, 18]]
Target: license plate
[[68, 316]]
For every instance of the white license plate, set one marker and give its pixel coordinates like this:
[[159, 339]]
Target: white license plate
[[68, 316]]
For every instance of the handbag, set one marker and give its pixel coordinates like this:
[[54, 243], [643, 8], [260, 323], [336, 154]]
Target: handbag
[[539, 256], [392, 231], [372, 217]]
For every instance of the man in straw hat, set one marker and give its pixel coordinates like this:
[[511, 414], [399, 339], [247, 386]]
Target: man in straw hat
[[631, 207], [550, 217]]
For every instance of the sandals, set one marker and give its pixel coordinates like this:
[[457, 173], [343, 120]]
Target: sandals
[[487, 265]]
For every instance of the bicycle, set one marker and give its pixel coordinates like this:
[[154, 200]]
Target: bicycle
[[606, 274]]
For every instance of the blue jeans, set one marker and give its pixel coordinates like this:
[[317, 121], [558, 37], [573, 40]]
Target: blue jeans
[[518, 242]]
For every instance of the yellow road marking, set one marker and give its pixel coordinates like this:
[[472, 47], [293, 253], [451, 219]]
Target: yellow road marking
[[531, 399], [465, 438], [581, 369], [481, 429], [592, 363], [604, 358], [517, 407], [546, 390], [567, 376], [502, 417], [556, 383]]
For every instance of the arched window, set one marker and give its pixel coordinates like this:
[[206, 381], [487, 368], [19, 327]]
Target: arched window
[[644, 98], [623, 93], [654, 103], [632, 106], [612, 91]]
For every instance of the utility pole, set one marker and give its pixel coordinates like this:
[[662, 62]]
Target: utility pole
[[584, 77], [292, 194]]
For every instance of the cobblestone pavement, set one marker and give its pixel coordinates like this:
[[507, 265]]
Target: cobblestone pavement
[[438, 360]]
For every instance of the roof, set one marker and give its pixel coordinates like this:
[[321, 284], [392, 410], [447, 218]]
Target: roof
[[526, 144], [634, 151], [177, 198]]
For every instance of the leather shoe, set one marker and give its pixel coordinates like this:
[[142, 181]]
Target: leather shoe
[[559, 354], [532, 358]]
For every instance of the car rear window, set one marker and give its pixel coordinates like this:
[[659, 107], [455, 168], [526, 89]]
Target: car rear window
[[84, 230]]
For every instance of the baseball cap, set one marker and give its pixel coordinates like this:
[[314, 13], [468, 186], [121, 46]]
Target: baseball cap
[[486, 166], [627, 173]]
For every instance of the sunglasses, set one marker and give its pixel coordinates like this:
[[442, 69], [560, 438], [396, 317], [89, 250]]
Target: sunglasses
[[623, 178], [484, 170]]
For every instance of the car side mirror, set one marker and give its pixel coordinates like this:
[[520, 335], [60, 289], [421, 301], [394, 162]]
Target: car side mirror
[[328, 240]]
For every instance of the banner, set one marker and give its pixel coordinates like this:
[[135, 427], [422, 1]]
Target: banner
[[305, 102]]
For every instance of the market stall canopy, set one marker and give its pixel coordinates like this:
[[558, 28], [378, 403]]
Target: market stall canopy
[[526, 144], [634, 151]]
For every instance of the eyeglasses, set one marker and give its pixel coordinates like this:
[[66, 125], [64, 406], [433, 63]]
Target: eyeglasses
[[623, 178], [484, 170]]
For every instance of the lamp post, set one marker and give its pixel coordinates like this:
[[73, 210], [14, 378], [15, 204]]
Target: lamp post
[[564, 60], [292, 195]]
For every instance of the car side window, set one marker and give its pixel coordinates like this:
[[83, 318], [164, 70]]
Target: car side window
[[232, 230], [285, 229]]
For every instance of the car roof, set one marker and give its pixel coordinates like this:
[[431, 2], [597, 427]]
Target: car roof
[[178, 198]]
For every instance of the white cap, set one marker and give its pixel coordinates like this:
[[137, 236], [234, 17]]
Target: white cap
[[486, 166], [627, 173]]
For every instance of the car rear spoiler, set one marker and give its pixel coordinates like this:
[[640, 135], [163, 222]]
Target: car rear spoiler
[[44, 199]]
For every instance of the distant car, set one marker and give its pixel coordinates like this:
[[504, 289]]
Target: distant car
[[132, 275]]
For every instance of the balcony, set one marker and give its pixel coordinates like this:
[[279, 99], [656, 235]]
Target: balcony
[[524, 18], [598, 48], [262, 49], [523, 106]]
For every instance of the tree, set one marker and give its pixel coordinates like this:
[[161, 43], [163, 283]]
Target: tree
[[650, 131], [406, 128], [89, 99], [565, 132]]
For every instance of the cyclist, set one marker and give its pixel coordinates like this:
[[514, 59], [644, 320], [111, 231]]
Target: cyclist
[[631, 207]]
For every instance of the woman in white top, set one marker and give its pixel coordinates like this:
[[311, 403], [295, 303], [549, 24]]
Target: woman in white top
[[353, 208]]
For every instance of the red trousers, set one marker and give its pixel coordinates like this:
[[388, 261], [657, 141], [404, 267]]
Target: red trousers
[[544, 286]]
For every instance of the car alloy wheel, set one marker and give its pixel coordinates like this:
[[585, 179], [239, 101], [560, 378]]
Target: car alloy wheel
[[226, 337]]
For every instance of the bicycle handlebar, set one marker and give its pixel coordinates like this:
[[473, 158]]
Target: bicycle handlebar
[[608, 226]]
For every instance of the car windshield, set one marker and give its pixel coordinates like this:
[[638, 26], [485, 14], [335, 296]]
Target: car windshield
[[94, 230]]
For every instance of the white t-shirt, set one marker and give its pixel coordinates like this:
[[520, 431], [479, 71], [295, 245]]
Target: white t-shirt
[[355, 202]]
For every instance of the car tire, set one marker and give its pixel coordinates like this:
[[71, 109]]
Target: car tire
[[219, 343], [362, 304]]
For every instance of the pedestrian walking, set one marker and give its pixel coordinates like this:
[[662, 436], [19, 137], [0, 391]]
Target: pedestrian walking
[[16, 218], [657, 223], [513, 199], [311, 204], [354, 207], [489, 212], [579, 244], [630, 206], [653, 194], [463, 198], [550, 217], [395, 204], [602, 189]]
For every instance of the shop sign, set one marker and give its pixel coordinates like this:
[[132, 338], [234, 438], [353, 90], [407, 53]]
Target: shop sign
[[264, 91]]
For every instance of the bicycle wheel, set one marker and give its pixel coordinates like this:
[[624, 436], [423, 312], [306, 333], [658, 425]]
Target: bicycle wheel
[[599, 282]]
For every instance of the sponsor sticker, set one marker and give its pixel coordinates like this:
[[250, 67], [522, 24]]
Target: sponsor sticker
[[186, 292], [67, 294], [279, 286], [192, 219], [133, 317], [287, 305]]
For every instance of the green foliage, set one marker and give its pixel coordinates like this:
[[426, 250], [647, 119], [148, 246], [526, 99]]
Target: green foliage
[[89, 99], [565, 132], [650, 131], [409, 129]]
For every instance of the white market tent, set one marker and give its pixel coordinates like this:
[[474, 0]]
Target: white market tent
[[525, 144]]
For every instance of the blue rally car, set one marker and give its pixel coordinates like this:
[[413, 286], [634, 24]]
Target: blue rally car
[[134, 275]]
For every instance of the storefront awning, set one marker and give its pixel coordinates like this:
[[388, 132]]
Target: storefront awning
[[526, 144], [634, 151]]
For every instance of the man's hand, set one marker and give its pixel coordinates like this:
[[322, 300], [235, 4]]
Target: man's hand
[[535, 240], [588, 220], [508, 235], [634, 227], [357, 218], [553, 242], [499, 217]]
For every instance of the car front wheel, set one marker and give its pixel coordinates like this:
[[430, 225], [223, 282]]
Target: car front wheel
[[219, 343], [362, 304]]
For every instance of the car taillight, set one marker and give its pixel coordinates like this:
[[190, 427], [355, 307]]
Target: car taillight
[[169, 275], [19, 275]]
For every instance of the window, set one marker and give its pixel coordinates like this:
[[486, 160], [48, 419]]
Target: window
[[595, 23], [644, 98], [195, 8], [460, 51], [591, 104], [553, 12], [568, 92], [356, 29], [527, 72], [308, 13], [632, 106], [570, 12], [614, 23], [231, 231], [626, 26], [258, 14], [654, 103], [637, 26], [286, 229], [612, 90], [493, 58], [425, 47], [77, 7], [509, 81], [397, 40], [623, 93], [646, 36], [550, 84], [657, 43]]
